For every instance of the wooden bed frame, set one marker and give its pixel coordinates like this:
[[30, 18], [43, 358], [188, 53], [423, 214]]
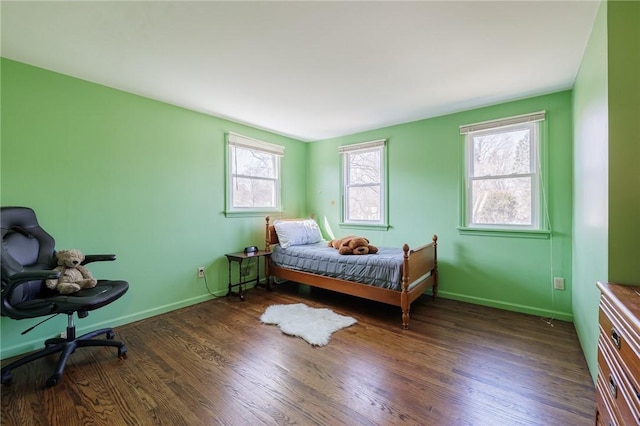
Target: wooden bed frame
[[415, 266]]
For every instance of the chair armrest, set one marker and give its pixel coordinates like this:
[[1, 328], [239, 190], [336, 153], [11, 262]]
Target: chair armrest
[[98, 258], [22, 277], [34, 308]]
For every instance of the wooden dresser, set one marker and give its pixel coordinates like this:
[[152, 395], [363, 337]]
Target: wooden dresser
[[618, 399]]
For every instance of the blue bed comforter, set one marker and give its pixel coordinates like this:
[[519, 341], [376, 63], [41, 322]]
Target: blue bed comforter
[[383, 269]]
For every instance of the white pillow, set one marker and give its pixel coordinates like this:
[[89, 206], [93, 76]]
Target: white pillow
[[297, 232]]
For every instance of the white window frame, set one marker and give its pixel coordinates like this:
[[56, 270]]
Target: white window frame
[[532, 123], [235, 141], [347, 151]]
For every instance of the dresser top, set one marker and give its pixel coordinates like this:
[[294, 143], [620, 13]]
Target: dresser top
[[626, 298]]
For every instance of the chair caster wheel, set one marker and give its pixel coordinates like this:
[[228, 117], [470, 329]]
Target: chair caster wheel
[[52, 381], [111, 335], [6, 378], [122, 352]]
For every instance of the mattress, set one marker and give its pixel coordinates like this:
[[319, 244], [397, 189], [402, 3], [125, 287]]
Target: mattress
[[383, 269]]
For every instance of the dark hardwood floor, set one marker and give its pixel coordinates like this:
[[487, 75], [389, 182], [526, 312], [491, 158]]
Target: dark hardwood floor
[[215, 363]]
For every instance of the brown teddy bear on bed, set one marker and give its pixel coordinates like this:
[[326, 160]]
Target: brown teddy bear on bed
[[353, 245]]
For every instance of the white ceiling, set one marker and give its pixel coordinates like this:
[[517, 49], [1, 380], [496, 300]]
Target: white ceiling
[[309, 70]]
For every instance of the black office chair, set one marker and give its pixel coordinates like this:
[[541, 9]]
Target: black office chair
[[28, 258]]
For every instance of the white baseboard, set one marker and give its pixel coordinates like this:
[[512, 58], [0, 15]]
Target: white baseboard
[[544, 313]]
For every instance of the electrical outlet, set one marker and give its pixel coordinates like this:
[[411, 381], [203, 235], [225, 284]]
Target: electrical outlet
[[200, 272], [558, 283]]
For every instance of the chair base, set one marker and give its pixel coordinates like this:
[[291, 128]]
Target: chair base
[[66, 346]]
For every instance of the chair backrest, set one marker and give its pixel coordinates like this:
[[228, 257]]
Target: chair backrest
[[25, 246]]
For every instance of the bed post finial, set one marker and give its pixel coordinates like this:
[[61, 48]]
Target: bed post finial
[[435, 245]]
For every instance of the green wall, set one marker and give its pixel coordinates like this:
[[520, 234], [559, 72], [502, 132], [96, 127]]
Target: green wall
[[111, 172], [425, 160], [623, 22], [591, 190], [606, 99]]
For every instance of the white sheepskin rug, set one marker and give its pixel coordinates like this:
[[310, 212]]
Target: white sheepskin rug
[[313, 325]]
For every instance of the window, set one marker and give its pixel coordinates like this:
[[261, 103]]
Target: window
[[503, 174], [253, 177], [364, 184]]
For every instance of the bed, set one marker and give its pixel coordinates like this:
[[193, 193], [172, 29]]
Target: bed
[[393, 276]]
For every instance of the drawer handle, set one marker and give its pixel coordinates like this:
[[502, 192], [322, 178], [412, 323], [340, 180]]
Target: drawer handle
[[635, 392], [613, 387], [615, 337]]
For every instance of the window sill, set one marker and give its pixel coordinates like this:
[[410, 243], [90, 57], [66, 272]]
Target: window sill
[[252, 213], [508, 233], [376, 227]]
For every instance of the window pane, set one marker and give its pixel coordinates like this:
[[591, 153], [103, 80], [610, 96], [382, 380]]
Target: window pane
[[364, 168], [500, 154], [502, 201], [253, 163], [364, 203], [253, 193]]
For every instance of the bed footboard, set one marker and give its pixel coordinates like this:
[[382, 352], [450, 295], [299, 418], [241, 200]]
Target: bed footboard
[[419, 270]]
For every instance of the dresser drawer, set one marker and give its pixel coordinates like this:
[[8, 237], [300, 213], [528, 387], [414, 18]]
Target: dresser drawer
[[607, 413], [623, 339], [622, 331], [616, 384], [609, 353]]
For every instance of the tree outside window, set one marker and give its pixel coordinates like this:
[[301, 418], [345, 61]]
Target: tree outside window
[[364, 183], [254, 178], [502, 177], [253, 183]]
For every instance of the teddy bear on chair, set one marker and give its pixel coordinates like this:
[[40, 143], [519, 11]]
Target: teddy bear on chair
[[353, 245], [73, 276]]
